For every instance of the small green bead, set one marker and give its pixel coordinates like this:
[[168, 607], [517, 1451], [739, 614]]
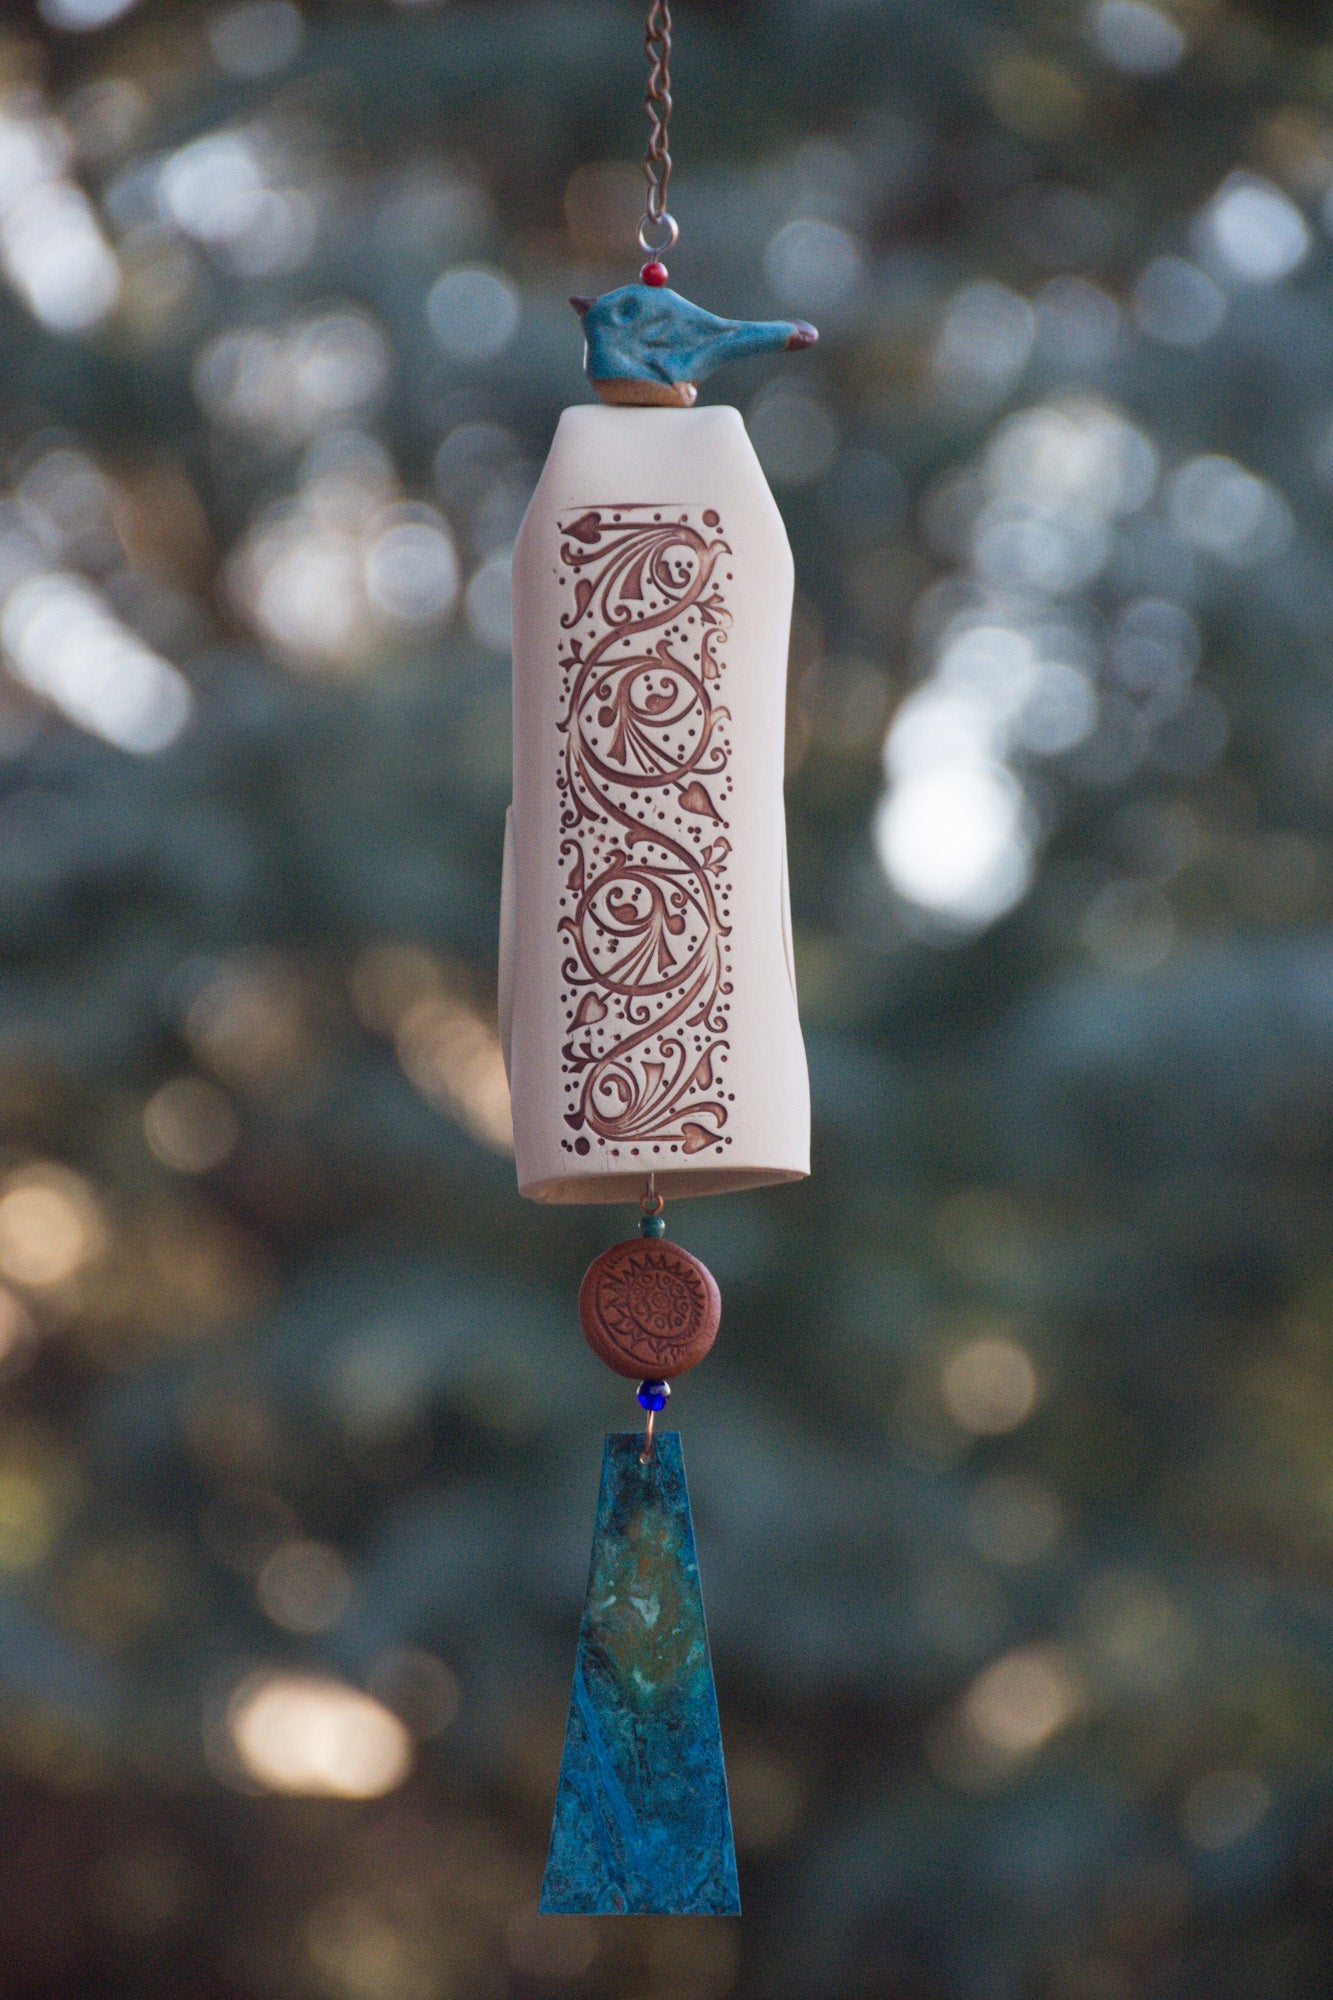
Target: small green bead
[[653, 1225]]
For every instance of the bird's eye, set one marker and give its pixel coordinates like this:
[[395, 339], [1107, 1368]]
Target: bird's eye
[[627, 309]]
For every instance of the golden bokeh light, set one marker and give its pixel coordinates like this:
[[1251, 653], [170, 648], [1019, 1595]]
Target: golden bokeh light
[[50, 1225], [190, 1125], [549, 1948], [447, 1044], [39, 1489], [315, 1737], [1136, 1634], [453, 1057], [1035, 96], [115, 1592], [1020, 1701], [359, 1950], [419, 1686], [304, 1586], [1224, 1806], [18, 1330], [602, 202], [387, 979], [989, 1385], [248, 1023], [768, 1798], [27, 1517]]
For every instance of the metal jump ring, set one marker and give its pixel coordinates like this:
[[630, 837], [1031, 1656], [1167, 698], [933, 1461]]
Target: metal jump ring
[[665, 221]]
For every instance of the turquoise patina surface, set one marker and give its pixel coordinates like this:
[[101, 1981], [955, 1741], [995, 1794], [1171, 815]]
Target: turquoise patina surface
[[642, 1822], [647, 333]]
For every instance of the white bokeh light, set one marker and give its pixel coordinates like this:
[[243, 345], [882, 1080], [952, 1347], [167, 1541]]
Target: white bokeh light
[[938, 726], [295, 380], [793, 433], [1251, 232], [952, 840], [1229, 512], [340, 575], [1078, 324], [812, 265], [473, 312], [1137, 38], [214, 187], [63, 642], [1177, 303], [992, 666], [217, 190], [489, 601], [56, 257], [1059, 713], [314, 1737], [1080, 452], [83, 15], [256, 37], [412, 566], [1013, 673], [1052, 549], [985, 340], [34, 148], [1155, 647], [302, 582], [52, 248]]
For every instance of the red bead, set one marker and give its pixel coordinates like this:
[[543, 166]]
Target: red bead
[[653, 272]]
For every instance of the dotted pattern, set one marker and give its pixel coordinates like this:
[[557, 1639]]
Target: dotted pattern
[[645, 787]]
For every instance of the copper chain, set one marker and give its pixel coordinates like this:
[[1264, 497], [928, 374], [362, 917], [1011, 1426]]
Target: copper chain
[[657, 160]]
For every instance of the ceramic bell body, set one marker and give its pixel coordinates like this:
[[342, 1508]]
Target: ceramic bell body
[[647, 996]]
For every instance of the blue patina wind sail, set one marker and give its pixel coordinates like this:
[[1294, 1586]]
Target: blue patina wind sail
[[642, 1823]]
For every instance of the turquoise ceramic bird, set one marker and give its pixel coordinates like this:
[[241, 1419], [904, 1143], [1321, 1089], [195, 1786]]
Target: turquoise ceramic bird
[[646, 344]]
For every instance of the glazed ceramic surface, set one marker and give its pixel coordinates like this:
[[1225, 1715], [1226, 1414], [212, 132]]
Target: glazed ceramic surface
[[642, 1822], [648, 1002]]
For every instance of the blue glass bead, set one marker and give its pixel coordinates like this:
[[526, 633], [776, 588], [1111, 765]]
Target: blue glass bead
[[653, 1395], [653, 1225]]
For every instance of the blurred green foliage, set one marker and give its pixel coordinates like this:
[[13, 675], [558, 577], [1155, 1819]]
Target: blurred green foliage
[[1012, 1466]]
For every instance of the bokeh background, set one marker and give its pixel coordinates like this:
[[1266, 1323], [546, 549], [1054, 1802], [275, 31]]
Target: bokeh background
[[1013, 1470]]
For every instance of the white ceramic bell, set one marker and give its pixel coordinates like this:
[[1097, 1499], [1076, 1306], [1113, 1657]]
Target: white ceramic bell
[[647, 997]]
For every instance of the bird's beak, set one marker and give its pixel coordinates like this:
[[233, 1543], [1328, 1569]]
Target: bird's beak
[[581, 305], [733, 340]]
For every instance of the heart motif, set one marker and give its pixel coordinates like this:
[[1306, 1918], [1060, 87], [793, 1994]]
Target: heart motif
[[696, 800], [694, 1138], [590, 1009]]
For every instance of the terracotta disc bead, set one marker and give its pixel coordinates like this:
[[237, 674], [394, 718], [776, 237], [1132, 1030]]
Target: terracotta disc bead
[[648, 1308]]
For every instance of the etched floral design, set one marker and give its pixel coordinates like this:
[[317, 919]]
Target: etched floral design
[[644, 786]]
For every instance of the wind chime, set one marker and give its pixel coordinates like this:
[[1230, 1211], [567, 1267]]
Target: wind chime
[[648, 1005]]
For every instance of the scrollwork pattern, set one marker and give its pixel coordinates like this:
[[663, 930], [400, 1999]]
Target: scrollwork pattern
[[644, 786]]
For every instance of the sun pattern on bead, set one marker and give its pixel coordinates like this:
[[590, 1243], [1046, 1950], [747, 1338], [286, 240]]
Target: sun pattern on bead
[[649, 1308], [644, 785]]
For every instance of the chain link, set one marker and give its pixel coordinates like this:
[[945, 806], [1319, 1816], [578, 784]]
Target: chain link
[[657, 219]]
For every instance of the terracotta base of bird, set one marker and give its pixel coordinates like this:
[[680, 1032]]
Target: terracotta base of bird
[[626, 390]]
